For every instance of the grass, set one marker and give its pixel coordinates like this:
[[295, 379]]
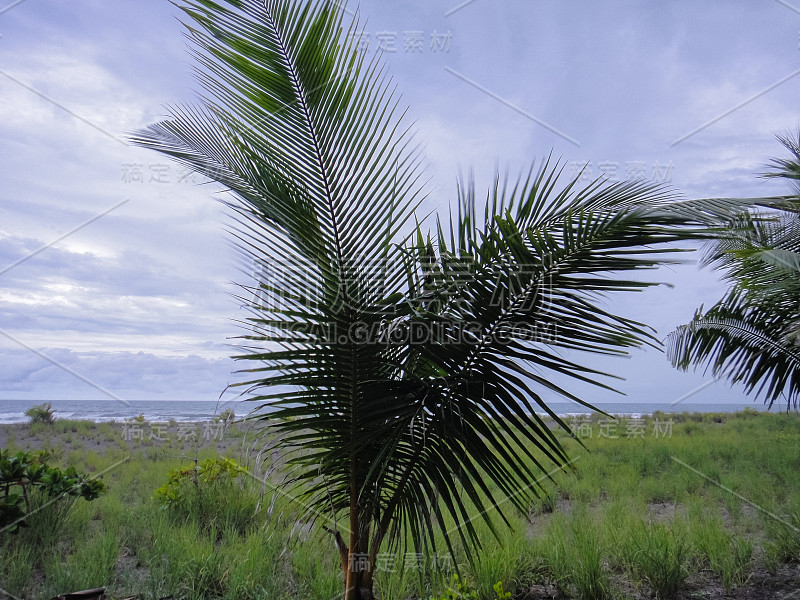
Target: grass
[[17, 568], [660, 557], [784, 536], [500, 562], [91, 565], [631, 522], [729, 556], [573, 554]]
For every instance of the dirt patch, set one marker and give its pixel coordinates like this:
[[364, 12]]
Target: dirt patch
[[665, 512]]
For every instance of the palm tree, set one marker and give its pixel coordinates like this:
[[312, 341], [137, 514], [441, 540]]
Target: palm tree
[[752, 335], [402, 369]]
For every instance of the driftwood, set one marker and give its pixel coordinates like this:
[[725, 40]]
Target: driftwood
[[95, 594]]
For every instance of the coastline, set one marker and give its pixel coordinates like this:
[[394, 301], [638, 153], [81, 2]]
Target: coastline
[[192, 411], [140, 434]]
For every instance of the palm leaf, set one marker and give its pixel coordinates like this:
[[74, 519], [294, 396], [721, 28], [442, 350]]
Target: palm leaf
[[482, 295], [750, 335], [397, 433], [743, 343]]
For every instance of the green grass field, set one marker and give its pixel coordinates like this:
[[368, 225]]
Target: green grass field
[[681, 506]]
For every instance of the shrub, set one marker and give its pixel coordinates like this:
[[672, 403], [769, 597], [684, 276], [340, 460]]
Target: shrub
[[226, 417], [42, 413], [209, 492], [29, 485], [461, 589]]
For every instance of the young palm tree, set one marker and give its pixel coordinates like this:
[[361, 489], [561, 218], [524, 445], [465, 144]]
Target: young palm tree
[[403, 370], [752, 335]]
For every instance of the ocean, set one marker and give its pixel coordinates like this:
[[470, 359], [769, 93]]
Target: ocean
[[161, 411]]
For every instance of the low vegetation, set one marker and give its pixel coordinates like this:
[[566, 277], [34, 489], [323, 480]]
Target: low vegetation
[[31, 491], [648, 513], [41, 413]]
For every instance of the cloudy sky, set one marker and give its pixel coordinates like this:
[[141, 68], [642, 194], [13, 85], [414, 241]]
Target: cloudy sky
[[116, 274]]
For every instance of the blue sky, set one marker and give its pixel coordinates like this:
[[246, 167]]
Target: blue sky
[[115, 270]]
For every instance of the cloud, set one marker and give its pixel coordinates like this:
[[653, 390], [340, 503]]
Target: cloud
[[127, 375], [138, 298]]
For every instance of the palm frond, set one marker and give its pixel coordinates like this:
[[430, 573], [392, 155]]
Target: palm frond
[[750, 336], [744, 343], [498, 301]]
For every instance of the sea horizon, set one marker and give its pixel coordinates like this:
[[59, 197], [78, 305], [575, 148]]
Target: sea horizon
[[162, 411]]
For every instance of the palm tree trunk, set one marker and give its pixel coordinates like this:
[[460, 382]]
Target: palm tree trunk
[[360, 564], [351, 574], [359, 578], [365, 585]]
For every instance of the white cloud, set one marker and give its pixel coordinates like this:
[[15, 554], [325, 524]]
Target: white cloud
[[143, 289], [67, 373]]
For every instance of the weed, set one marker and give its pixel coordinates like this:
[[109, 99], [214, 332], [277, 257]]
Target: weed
[[461, 589]]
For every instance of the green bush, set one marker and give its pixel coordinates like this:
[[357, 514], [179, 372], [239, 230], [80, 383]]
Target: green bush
[[226, 417], [42, 413], [461, 589], [29, 485], [209, 493]]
